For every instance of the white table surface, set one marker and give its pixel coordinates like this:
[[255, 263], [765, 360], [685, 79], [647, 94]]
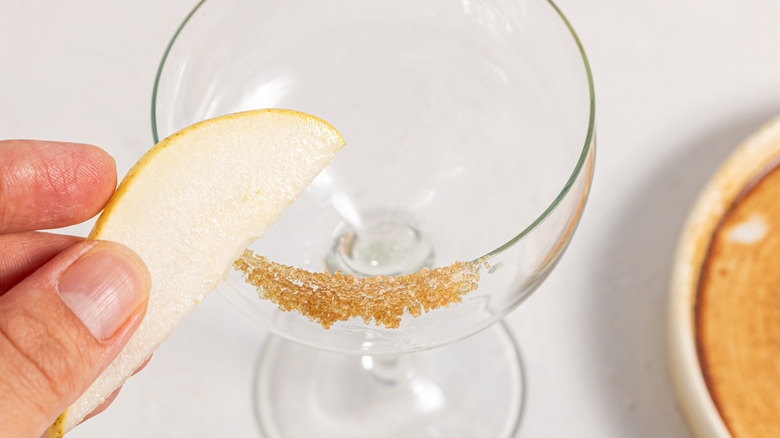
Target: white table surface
[[678, 85]]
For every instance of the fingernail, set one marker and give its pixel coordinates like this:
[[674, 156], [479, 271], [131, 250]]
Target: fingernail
[[104, 288]]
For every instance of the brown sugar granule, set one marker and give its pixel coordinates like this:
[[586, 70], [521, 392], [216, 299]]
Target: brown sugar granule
[[328, 298]]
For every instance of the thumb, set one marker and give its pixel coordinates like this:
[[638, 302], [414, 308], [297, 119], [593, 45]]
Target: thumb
[[61, 326]]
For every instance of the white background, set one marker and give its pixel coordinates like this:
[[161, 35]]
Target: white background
[[679, 84]]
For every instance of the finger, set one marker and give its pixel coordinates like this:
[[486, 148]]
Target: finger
[[60, 327], [51, 185], [23, 253]]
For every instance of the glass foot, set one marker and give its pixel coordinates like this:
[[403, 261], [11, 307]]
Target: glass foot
[[472, 388]]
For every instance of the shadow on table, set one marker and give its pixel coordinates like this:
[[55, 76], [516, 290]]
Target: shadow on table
[[640, 394]]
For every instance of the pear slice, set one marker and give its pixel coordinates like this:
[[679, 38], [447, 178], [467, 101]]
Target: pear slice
[[191, 205]]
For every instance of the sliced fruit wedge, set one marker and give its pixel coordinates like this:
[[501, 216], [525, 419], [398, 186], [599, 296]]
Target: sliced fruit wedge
[[191, 205]]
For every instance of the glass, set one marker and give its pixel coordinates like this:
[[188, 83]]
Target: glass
[[470, 137]]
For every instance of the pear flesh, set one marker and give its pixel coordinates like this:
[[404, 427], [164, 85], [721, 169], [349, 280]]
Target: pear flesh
[[191, 205]]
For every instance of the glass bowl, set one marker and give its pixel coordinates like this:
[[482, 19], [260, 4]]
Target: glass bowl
[[470, 137]]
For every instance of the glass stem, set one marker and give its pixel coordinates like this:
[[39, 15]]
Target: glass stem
[[394, 370]]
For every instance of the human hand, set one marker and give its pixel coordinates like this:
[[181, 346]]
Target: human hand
[[67, 305]]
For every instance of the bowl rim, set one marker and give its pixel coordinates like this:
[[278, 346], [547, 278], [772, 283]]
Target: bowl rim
[[749, 161], [583, 162]]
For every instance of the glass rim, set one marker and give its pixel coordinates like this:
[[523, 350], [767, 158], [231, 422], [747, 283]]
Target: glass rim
[[578, 168]]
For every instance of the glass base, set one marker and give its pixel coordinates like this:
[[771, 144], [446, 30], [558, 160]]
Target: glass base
[[472, 388]]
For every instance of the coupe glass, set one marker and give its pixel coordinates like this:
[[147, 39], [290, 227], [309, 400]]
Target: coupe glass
[[470, 137]]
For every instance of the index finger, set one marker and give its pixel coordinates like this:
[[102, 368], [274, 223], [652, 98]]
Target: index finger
[[51, 184]]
